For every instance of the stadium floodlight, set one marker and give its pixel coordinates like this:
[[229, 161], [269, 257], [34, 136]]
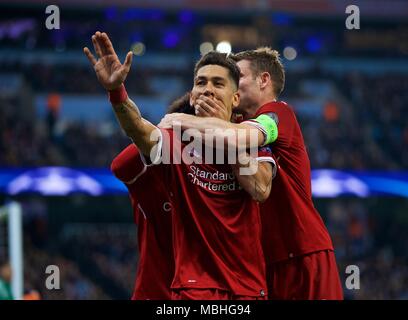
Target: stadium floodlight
[[290, 53], [224, 47], [206, 47], [138, 49]]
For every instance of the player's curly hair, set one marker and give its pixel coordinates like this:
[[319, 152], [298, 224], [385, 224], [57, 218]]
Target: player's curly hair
[[265, 59], [220, 59]]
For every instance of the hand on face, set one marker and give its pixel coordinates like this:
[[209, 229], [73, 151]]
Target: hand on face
[[211, 107]]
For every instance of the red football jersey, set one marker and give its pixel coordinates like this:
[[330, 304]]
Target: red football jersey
[[216, 225], [152, 214], [291, 226]]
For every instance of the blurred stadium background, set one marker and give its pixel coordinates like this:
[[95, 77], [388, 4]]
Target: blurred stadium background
[[58, 135]]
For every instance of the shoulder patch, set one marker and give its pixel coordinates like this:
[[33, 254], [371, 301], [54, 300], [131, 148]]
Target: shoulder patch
[[266, 148], [274, 116]]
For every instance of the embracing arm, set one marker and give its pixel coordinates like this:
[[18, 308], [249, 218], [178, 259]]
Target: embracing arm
[[213, 124], [237, 135], [259, 183]]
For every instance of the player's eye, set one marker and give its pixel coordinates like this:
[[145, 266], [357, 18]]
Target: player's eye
[[200, 82], [219, 84]]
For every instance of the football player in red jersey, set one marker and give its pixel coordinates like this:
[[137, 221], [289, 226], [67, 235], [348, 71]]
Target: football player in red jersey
[[152, 215], [298, 250], [216, 224]]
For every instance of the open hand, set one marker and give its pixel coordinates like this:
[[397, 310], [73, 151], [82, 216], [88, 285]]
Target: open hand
[[109, 71]]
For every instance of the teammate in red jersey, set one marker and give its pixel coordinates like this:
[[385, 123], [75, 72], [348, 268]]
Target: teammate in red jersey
[[216, 225], [298, 249], [152, 215]]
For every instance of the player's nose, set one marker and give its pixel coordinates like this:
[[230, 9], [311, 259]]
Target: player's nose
[[209, 92]]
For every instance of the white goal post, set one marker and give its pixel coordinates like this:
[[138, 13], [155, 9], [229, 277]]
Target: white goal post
[[11, 216]]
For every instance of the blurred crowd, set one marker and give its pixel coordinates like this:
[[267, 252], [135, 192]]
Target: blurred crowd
[[110, 248], [73, 283], [367, 131], [25, 143], [80, 78], [383, 276], [375, 242]]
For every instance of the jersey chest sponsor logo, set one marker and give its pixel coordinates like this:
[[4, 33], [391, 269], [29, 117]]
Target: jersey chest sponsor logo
[[218, 181]]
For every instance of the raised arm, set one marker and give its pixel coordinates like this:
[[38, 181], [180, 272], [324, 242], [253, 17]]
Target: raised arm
[[112, 75], [139, 130]]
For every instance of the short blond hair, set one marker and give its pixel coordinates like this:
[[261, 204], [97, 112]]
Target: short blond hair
[[265, 59]]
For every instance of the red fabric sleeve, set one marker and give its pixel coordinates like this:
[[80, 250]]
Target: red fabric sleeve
[[128, 164], [265, 154]]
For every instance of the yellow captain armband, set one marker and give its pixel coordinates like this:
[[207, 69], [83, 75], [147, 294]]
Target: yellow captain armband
[[270, 126]]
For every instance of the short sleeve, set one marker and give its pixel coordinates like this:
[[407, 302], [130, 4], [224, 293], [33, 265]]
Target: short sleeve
[[128, 165], [265, 155]]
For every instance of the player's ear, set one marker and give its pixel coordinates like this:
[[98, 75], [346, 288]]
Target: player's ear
[[235, 99], [264, 80]]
